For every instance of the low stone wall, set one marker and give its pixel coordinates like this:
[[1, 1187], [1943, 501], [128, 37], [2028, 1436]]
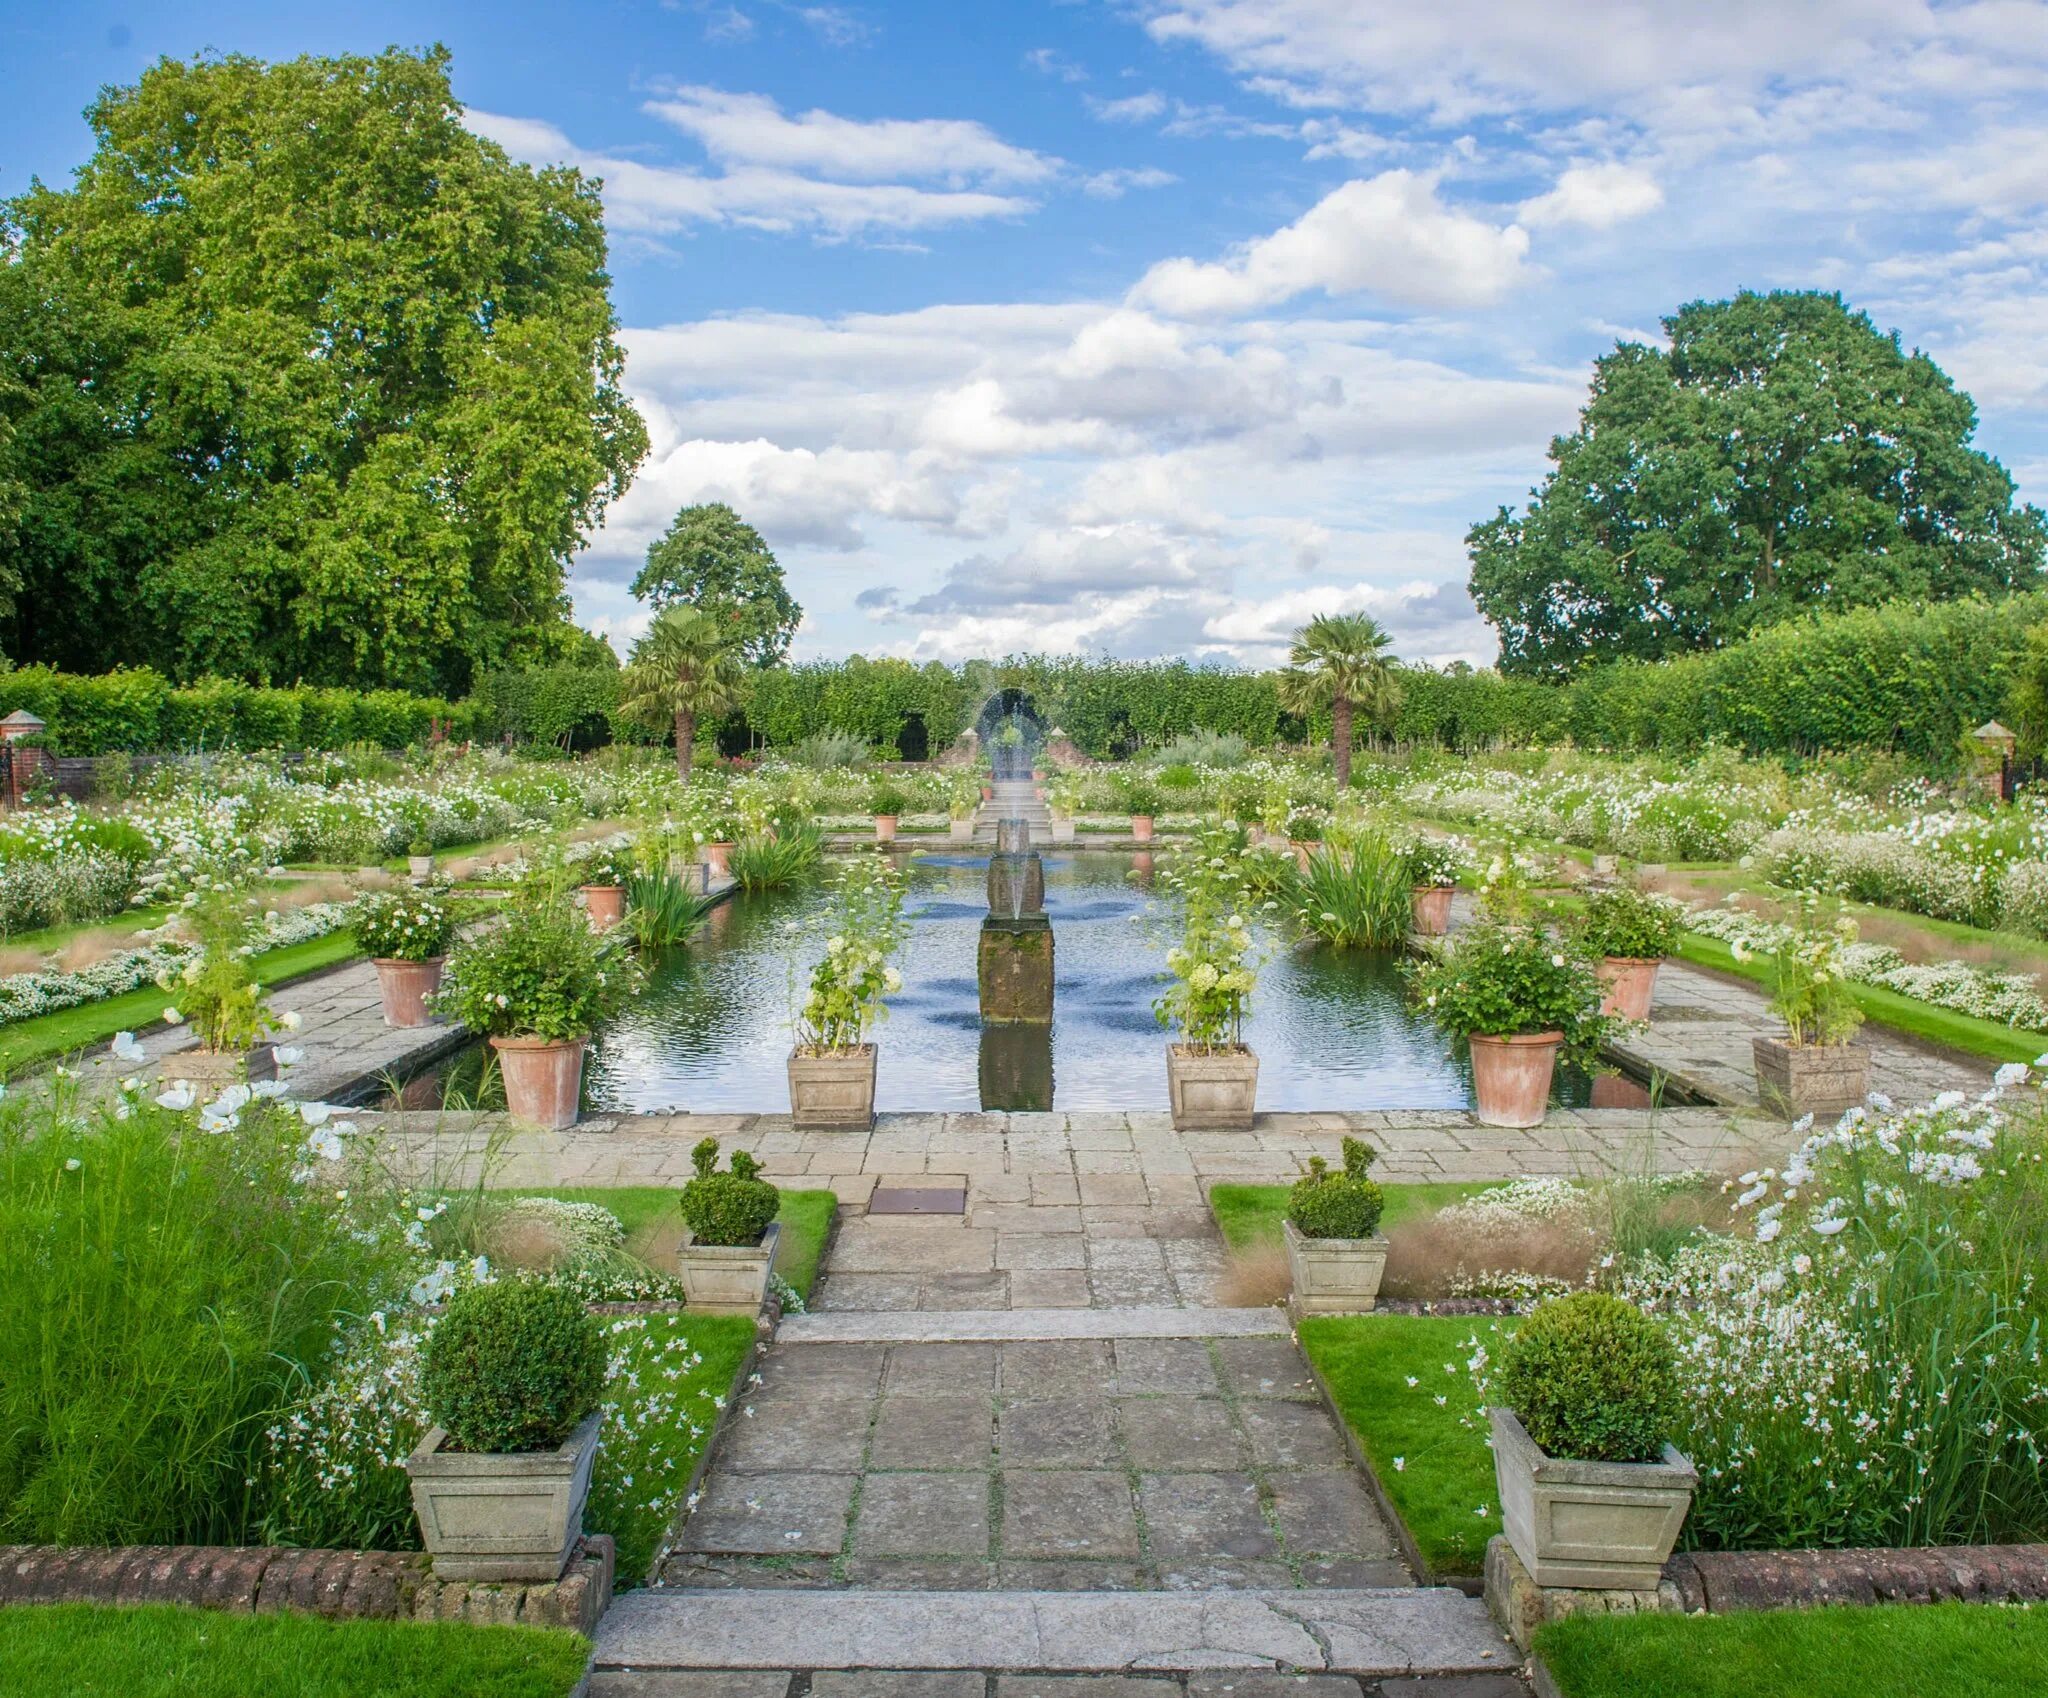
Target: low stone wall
[[343, 1585]]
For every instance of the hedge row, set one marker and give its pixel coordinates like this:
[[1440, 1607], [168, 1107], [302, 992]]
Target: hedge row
[[141, 712]]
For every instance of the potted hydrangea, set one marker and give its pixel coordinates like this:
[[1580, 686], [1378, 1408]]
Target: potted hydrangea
[[1591, 1493], [407, 939], [832, 1066], [887, 802], [1815, 1068], [217, 995], [1432, 877], [1212, 1075], [511, 1377], [1520, 996], [1335, 1256], [602, 874], [538, 985], [1630, 932], [730, 1248]]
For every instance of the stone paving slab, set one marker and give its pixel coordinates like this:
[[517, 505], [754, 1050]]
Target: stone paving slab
[[1380, 1631], [999, 1325]]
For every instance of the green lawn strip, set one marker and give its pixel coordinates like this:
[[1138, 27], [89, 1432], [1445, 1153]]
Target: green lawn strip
[[1436, 1470], [1888, 1008], [47, 938], [806, 1218], [69, 1029], [163, 1651], [1249, 1216], [1886, 1651]]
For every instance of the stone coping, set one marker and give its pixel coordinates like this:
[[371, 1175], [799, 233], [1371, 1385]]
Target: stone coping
[[1005, 1326]]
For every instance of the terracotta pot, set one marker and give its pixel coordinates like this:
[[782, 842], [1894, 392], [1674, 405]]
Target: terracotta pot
[[1141, 827], [988, 792], [1511, 1077], [404, 986], [885, 828], [1303, 849], [1630, 981], [1605, 1526], [502, 1515], [605, 904], [1430, 907], [833, 1091], [718, 857], [543, 1079], [1211, 1092], [1795, 1079]]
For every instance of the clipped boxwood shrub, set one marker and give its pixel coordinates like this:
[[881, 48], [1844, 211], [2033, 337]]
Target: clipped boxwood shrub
[[513, 1366], [732, 1208], [1337, 1205], [1593, 1379]]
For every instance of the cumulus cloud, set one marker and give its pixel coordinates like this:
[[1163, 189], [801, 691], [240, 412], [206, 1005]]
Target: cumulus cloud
[[1388, 236], [1596, 197], [1113, 184], [1131, 109]]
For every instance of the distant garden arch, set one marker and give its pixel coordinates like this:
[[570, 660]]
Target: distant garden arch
[[1011, 731]]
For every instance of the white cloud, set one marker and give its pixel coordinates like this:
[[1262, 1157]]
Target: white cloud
[[1110, 185], [1597, 197], [1387, 236], [1131, 109]]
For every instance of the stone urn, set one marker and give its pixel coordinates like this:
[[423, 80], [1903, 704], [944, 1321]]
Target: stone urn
[[543, 1079], [404, 986], [1628, 983], [1819, 1079], [502, 1515], [1511, 1077], [1211, 1090], [1599, 1525], [1429, 906], [1333, 1276], [885, 828], [210, 1069], [605, 904], [833, 1090], [718, 859], [727, 1279], [1141, 828]]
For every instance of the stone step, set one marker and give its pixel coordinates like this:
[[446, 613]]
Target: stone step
[[1389, 1631], [1004, 1326]]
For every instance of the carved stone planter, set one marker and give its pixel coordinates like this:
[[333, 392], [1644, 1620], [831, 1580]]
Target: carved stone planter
[[1429, 906], [543, 1079], [421, 867], [720, 1279], [404, 986], [1629, 983], [1602, 1525], [1213, 1092], [1795, 1079], [605, 904], [1511, 1077], [502, 1515], [833, 1091], [1333, 1276], [963, 830], [207, 1070], [1063, 828]]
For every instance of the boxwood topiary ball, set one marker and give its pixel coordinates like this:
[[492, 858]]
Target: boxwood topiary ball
[[513, 1366], [1593, 1379]]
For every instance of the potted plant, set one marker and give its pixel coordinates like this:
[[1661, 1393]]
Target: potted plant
[[511, 1378], [1304, 826], [1335, 1256], [832, 1066], [538, 985], [1141, 802], [407, 939], [960, 811], [1630, 932], [419, 860], [1591, 1493], [715, 834], [1815, 1068], [1432, 877], [217, 995], [1520, 995], [887, 802], [1212, 1075], [730, 1247], [603, 874]]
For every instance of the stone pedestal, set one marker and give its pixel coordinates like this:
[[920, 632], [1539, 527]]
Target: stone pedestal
[[1015, 969]]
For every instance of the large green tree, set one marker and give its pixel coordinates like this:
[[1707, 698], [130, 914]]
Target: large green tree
[[713, 559], [320, 384], [1783, 454]]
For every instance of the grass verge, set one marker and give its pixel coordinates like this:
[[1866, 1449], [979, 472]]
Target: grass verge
[[1887, 1651], [1249, 1216], [161, 1651], [1386, 1374]]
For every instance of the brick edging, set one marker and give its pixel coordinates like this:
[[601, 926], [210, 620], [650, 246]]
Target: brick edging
[[1721, 1581]]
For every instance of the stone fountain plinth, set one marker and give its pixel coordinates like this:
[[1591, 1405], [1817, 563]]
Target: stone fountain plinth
[[1015, 967]]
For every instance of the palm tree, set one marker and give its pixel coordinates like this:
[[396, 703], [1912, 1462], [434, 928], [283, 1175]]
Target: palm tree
[[684, 669], [1340, 661]]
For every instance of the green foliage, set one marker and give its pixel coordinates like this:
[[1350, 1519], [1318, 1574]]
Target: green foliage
[[1337, 1205], [1355, 894], [1782, 452], [851, 978], [218, 992], [792, 856], [1343, 661], [1810, 992], [1211, 966], [827, 750], [1498, 979], [326, 387], [1200, 747], [886, 797], [733, 1208], [1432, 863], [512, 1366], [1140, 799], [661, 910], [403, 926], [683, 671], [1593, 1379], [541, 973], [1620, 920], [711, 558], [566, 706]]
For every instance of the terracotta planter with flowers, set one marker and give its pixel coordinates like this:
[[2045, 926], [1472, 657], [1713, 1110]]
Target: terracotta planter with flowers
[[543, 1079], [1429, 906], [605, 904], [403, 987], [1141, 828], [885, 827], [408, 938], [717, 859], [1511, 1077]]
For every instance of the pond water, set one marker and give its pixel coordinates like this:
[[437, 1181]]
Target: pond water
[[713, 1029]]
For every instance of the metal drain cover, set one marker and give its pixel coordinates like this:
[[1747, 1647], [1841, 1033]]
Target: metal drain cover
[[905, 1200]]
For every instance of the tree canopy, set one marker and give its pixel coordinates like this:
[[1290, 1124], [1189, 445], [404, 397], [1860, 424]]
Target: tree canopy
[[1783, 455], [312, 382], [684, 669], [713, 559]]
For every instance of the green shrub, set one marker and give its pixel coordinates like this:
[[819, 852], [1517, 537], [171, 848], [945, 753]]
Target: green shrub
[[661, 910], [792, 856], [1593, 1379], [1496, 979], [1337, 1205], [1622, 921], [1140, 798], [1432, 863], [887, 798], [542, 973], [731, 1208], [1355, 894], [513, 1366], [394, 926]]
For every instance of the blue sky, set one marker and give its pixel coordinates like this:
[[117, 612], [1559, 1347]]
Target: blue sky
[[1156, 326]]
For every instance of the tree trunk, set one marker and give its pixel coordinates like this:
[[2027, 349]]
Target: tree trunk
[[1340, 738], [686, 743]]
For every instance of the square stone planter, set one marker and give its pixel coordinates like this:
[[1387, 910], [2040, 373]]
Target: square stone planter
[[1606, 1526], [962, 831], [502, 1515], [1211, 1092], [1063, 828], [833, 1091], [208, 1071], [721, 1279], [1333, 1276], [1795, 1079]]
